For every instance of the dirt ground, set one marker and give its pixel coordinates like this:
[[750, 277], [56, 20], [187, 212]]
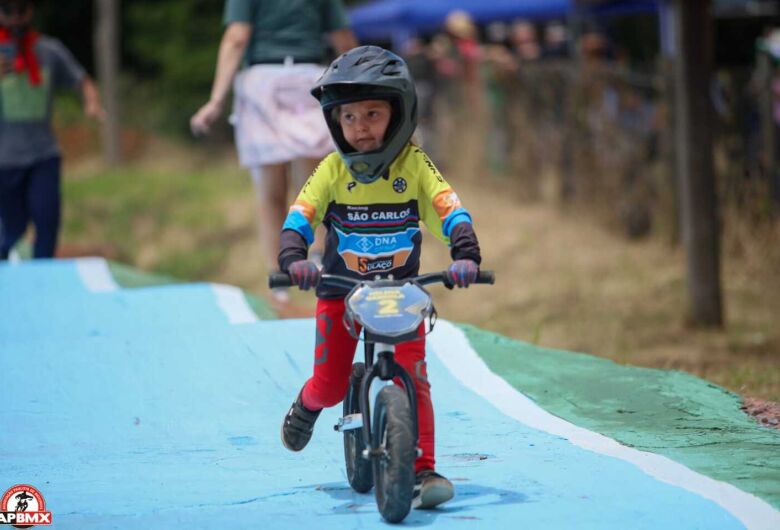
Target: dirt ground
[[767, 413]]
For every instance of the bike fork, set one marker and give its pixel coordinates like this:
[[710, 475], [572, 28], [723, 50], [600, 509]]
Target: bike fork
[[385, 369]]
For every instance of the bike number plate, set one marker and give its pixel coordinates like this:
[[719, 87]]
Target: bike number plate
[[392, 310]]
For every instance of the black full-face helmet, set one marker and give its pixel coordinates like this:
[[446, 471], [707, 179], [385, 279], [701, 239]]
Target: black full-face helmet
[[369, 72]]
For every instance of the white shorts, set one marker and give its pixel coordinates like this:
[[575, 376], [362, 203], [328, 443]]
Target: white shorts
[[276, 119]]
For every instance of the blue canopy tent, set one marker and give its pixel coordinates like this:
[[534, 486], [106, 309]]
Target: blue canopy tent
[[396, 20], [623, 7]]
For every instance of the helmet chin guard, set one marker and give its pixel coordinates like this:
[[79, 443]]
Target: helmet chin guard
[[369, 72]]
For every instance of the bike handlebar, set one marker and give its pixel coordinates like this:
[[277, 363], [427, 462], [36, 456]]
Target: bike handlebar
[[282, 279]]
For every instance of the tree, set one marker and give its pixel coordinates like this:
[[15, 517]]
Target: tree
[[172, 47], [692, 34], [107, 60]]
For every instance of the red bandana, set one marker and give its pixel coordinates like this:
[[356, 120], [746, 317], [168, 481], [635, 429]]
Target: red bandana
[[25, 56]]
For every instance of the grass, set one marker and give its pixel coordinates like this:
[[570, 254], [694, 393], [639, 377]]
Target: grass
[[564, 280], [170, 221]]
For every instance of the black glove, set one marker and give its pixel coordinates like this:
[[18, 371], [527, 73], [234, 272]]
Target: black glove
[[463, 272], [304, 274]]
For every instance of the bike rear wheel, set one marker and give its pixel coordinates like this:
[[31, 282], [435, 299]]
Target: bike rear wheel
[[394, 469], [359, 472]]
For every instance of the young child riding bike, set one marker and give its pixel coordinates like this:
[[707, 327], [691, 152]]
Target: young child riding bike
[[371, 196]]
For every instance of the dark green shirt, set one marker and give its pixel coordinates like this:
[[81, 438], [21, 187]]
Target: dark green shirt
[[287, 28]]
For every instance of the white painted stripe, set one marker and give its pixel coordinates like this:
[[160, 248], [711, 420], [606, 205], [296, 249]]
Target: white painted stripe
[[452, 347], [96, 275], [233, 303]]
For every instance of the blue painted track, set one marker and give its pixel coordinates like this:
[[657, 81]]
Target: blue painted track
[[140, 408]]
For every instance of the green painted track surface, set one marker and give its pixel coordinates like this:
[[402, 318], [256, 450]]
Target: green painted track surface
[[666, 412]]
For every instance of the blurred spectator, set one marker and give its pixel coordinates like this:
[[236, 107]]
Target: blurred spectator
[[584, 109], [556, 41], [555, 52], [593, 47], [764, 102], [526, 103], [463, 32], [525, 42], [636, 145], [32, 66], [500, 69], [420, 64], [276, 120], [497, 33], [774, 179], [459, 104]]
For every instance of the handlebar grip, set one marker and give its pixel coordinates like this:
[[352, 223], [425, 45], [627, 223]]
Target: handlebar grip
[[486, 277], [279, 279]]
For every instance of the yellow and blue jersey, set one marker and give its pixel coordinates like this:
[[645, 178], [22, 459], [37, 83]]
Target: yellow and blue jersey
[[375, 228]]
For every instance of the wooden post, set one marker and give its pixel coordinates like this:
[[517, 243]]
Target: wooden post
[[768, 131], [106, 40], [698, 196], [671, 189]]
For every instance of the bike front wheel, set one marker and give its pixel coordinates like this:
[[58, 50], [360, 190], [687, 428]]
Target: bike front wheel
[[359, 471], [393, 432]]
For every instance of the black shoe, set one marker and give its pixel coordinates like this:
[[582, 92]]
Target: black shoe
[[431, 489], [298, 425]]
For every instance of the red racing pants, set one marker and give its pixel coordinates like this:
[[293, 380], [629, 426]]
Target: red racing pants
[[333, 356]]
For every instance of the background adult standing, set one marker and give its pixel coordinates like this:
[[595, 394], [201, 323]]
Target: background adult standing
[[31, 67], [277, 122]]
